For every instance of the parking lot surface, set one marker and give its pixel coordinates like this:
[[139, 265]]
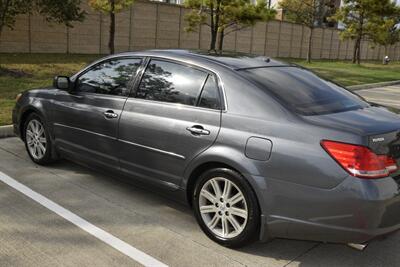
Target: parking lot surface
[[389, 96], [31, 234]]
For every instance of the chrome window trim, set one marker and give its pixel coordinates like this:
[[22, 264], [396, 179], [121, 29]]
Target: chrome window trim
[[90, 67], [221, 89]]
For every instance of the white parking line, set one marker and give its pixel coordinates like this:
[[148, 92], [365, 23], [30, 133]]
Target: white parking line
[[107, 238]]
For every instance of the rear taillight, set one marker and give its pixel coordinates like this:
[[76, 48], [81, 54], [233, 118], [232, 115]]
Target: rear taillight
[[390, 163], [360, 161]]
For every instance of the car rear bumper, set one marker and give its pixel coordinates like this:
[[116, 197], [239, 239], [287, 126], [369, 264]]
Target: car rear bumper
[[355, 211]]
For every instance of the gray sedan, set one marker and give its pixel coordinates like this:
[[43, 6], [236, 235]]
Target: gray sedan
[[259, 148]]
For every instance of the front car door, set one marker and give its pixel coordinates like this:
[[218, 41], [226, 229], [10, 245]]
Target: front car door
[[86, 118], [172, 116]]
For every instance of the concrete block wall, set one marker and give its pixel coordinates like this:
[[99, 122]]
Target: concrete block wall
[[149, 25]]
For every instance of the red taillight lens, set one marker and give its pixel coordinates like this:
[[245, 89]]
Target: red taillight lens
[[390, 163], [360, 161]]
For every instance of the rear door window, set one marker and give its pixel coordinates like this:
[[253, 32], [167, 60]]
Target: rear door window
[[303, 91], [171, 82], [210, 97]]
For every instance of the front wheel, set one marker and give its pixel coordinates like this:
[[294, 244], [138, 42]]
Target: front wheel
[[226, 208], [37, 140]]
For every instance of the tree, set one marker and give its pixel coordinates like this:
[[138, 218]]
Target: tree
[[225, 16], [111, 7], [366, 19], [310, 13], [387, 38], [59, 11]]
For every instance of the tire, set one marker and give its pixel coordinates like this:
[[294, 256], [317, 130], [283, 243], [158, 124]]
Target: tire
[[37, 140], [233, 220]]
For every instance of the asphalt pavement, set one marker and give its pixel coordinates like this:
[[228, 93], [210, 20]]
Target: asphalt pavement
[[388, 96]]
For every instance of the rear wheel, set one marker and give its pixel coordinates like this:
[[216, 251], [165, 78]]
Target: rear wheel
[[226, 208], [37, 140]]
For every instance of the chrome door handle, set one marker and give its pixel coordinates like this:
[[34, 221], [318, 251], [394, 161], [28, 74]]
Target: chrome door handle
[[198, 130], [110, 114]]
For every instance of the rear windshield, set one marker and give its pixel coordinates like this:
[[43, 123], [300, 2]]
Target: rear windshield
[[303, 91]]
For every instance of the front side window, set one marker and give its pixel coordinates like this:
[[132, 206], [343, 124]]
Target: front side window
[[170, 82], [110, 77], [303, 91]]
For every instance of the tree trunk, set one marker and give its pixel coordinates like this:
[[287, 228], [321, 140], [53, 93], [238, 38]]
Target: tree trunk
[[357, 52], [310, 38], [212, 23], [354, 60], [384, 56], [213, 39], [112, 28], [221, 41], [357, 45]]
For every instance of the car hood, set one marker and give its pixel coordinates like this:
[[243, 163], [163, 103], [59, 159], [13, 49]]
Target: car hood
[[375, 119]]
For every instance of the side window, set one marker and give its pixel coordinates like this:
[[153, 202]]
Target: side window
[[210, 97], [171, 82], [110, 77]]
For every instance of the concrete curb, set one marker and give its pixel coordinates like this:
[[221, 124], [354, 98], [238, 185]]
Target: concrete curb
[[6, 131], [372, 85]]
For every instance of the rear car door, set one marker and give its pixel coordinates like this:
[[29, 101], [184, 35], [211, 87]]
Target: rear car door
[[172, 116], [86, 118]]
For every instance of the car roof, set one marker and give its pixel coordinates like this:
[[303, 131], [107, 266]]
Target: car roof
[[232, 60]]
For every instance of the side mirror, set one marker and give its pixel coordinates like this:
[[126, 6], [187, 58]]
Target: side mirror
[[62, 83]]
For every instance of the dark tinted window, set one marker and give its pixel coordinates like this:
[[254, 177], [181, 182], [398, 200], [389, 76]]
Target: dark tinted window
[[303, 91], [171, 82], [110, 77], [210, 95]]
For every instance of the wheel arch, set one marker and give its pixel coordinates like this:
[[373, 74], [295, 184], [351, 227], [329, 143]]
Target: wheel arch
[[24, 116], [196, 172], [215, 157]]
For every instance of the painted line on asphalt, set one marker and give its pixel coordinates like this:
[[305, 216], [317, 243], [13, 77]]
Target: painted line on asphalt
[[95, 231]]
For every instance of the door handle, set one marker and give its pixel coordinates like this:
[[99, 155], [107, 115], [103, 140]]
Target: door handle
[[198, 130], [110, 114]]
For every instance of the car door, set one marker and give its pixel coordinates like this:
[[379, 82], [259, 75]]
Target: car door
[[86, 118], [172, 116]]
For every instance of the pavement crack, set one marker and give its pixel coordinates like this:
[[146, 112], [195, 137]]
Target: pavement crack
[[303, 253]]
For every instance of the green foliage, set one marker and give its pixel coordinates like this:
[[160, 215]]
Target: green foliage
[[110, 7], [367, 19], [309, 13], [59, 11], [106, 5], [226, 16], [303, 12], [387, 34]]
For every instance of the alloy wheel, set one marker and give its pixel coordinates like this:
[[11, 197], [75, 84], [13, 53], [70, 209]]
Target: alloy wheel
[[36, 139], [223, 207]]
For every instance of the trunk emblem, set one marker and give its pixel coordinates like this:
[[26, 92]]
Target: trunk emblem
[[380, 139]]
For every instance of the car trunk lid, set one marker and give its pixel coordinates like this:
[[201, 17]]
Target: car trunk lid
[[386, 144]]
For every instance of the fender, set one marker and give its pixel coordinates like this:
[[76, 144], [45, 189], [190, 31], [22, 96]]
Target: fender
[[230, 157], [31, 104]]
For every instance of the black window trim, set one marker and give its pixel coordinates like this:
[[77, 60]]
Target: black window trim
[[146, 61], [131, 82]]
